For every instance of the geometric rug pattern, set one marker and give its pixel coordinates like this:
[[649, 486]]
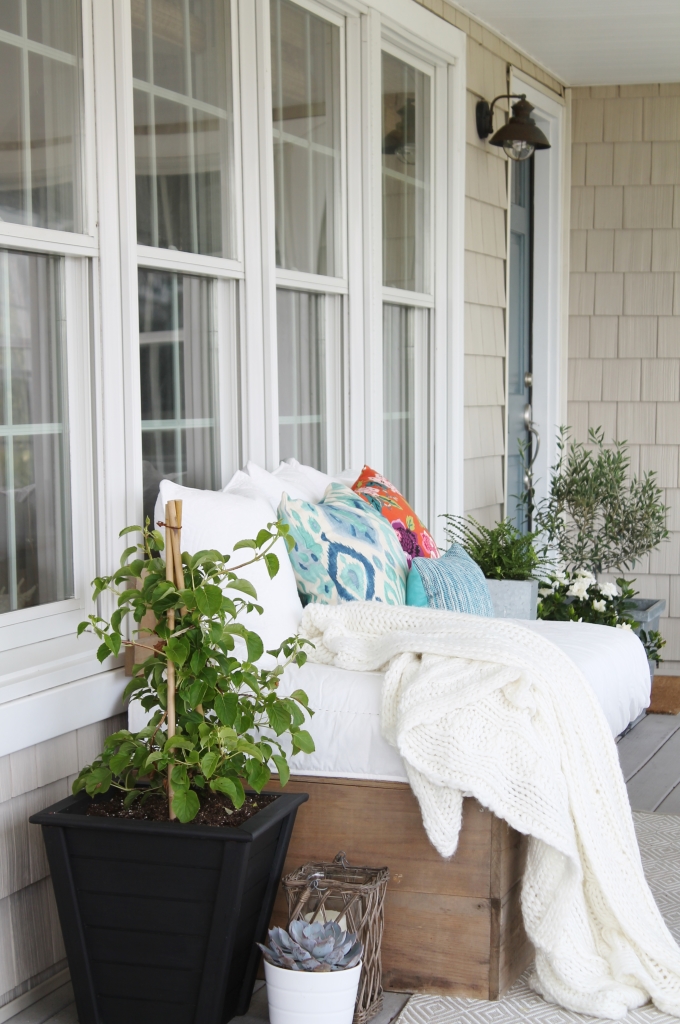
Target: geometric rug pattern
[[659, 839]]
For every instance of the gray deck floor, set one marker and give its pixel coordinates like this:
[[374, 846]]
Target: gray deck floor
[[58, 1008], [650, 760]]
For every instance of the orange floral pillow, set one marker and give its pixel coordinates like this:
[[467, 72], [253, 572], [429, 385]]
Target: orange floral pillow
[[391, 503]]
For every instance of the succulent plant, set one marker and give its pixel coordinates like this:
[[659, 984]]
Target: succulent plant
[[314, 946]]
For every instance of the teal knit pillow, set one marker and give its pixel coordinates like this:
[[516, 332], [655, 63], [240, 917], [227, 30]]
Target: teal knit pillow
[[454, 582]]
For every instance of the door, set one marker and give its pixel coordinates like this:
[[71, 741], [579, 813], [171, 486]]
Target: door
[[522, 438]]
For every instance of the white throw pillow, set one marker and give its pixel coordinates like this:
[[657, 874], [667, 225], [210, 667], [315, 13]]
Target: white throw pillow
[[218, 520], [284, 480]]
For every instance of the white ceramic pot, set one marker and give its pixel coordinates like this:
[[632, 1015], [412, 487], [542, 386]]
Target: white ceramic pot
[[305, 997]]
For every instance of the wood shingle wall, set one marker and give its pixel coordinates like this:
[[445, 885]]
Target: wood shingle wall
[[624, 341]]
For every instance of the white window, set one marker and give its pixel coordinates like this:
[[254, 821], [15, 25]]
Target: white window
[[229, 230]]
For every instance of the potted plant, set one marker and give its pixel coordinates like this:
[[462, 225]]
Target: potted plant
[[312, 973], [598, 518], [165, 866], [508, 560]]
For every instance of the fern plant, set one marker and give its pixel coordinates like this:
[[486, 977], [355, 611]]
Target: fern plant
[[501, 552]]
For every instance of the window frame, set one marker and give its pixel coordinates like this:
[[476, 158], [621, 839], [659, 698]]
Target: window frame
[[77, 250]]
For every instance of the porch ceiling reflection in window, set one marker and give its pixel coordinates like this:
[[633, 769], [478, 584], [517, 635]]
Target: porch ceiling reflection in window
[[302, 377], [181, 52], [177, 382], [40, 85], [306, 128], [35, 520], [405, 174]]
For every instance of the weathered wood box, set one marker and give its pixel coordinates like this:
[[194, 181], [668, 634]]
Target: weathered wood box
[[451, 927]]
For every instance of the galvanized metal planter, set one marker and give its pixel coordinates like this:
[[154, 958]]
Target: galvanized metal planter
[[514, 599]]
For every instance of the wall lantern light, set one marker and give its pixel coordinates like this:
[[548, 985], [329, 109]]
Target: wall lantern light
[[520, 136]]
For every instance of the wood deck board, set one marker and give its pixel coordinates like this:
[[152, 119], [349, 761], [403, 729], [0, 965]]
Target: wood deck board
[[649, 787], [642, 743]]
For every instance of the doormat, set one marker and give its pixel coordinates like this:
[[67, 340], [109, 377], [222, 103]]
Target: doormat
[[659, 839], [665, 696]]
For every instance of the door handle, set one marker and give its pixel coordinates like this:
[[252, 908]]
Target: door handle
[[531, 427]]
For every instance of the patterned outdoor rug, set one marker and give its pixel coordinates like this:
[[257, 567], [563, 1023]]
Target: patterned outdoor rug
[[659, 838]]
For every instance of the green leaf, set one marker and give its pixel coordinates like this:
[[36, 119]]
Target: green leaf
[[209, 763], [186, 805], [279, 717], [209, 599], [82, 626], [177, 650], [103, 652], [303, 741], [126, 554], [258, 775], [301, 697], [232, 788], [153, 757], [262, 538], [226, 706], [244, 544], [272, 563], [180, 779], [282, 765], [255, 646], [245, 586], [157, 540], [178, 741], [131, 529], [195, 693], [244, 746]]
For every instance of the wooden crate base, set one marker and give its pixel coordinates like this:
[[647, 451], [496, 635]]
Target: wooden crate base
[[452, 927]]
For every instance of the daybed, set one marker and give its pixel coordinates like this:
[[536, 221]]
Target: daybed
[[451, 927]]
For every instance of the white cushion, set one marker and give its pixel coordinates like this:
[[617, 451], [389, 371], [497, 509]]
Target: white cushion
[[218, 520], [286, 480]]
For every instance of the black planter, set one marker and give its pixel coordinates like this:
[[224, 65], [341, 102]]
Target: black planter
[[160, 920]]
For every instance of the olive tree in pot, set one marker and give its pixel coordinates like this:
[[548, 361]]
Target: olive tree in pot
[[508, 560], [165, 867], [312, 973], [599, 519]]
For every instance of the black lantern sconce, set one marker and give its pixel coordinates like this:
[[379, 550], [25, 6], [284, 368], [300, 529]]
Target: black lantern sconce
[[520, 136]]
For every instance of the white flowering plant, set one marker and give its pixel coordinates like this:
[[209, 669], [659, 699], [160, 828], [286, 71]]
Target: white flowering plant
[[578, 597]]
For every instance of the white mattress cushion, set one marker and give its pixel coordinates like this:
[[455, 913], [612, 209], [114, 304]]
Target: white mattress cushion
[[346, 723]]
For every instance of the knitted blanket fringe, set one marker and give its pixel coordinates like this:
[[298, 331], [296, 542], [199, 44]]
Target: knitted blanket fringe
[[486, 708]]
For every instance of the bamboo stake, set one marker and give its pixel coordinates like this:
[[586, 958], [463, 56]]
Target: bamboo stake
[[177, 546], [170, 522]]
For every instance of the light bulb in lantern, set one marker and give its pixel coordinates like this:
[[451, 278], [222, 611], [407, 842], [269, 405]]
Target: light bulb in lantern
[[518, 149]]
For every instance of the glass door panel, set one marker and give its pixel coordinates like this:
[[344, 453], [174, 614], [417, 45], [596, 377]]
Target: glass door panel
[[302, 377], [35, 516], [181, 52], [306, 127], [405, 175], [177, 382]]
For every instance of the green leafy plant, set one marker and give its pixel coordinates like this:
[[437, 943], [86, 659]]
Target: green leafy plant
[[502, 552], [319, 947], [578, 597], [229, 719], [597, 516], [652, 642]]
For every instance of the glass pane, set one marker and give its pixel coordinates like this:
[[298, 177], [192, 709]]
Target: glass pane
[[35, 520], [40, 84], [305, 112], [398, 397], [181, 58], [302, 387], [176, 352], [405, 174]]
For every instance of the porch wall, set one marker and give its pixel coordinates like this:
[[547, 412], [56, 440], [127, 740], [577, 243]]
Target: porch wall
[[31, 950], [486, 236], [624, 342]]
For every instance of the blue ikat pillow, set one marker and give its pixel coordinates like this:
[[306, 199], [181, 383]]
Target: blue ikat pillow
[[344, 549]]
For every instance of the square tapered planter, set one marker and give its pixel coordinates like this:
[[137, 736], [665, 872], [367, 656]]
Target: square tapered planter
[[514, 599], [160, 919]]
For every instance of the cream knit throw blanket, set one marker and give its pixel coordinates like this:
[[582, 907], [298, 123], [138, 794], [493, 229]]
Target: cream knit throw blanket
[[485, 708]]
